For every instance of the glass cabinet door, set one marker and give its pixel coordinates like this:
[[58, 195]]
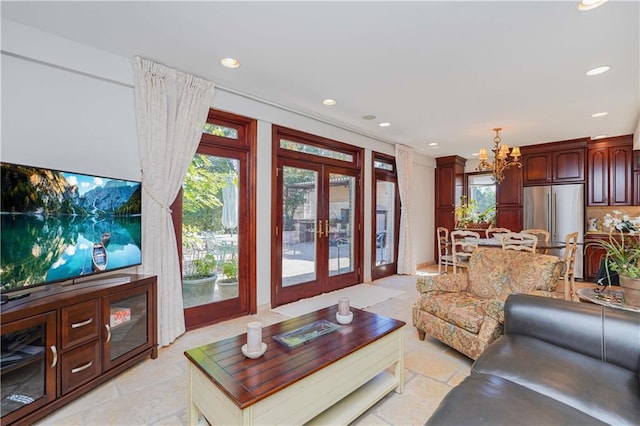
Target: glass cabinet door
[[28, 360], [126, 325]]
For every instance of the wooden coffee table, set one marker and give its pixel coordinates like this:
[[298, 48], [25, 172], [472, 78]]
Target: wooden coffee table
[[330, 380]]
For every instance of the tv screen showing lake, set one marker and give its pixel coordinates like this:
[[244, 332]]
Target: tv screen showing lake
[[57, 226]]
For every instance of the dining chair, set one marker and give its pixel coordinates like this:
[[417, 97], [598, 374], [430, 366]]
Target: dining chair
[[542, 235], [444, 257], [519, 241], [491, 232], [571, 243], [463, 244]]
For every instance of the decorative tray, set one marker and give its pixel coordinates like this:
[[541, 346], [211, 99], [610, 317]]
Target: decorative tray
[[306, 334]]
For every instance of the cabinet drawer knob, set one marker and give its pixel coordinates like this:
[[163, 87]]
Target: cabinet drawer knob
[[84, 367], [82, 323]]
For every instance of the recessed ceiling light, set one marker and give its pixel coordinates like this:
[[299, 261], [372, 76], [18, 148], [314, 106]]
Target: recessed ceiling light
[[329, 102], [368, 117], [590, 4], [230, 62], [433, 144], [599, 114], [598, 70], [384, 124], [593, 138]]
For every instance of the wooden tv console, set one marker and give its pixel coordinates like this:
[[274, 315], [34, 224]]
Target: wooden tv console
[[59, 343]]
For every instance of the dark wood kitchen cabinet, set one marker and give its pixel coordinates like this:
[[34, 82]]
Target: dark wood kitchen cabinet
[[449, 189], [509, 200], [609, 166], [554, 163], [636, 178], [593, 255]]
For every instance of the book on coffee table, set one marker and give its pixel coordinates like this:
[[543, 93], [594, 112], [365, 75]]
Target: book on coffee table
[[302, 335]]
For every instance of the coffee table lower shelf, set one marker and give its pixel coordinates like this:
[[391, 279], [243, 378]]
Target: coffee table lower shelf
[[335, 394]]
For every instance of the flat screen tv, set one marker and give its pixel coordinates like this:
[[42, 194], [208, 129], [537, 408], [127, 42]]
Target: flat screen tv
[[59, 226]]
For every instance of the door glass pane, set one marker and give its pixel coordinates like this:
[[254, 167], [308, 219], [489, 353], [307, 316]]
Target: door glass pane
[[128, 324], [220, 130], [385, 221], [310, 149], [23, 367], [210, 230], [299, 219], [341, 210]]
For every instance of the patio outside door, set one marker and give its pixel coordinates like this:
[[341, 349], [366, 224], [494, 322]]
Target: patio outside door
[[212, 217], [317, 246]]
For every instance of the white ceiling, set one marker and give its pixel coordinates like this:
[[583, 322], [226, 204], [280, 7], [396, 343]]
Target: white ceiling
[[445, 72]]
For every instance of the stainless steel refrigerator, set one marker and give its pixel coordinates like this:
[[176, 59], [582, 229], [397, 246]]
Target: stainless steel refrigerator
[[558, 209]]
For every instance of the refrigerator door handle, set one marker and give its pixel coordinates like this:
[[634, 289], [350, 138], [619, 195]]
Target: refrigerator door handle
[[549, 212], [554, 211]]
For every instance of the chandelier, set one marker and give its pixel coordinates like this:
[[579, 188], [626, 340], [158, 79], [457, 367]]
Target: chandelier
[[503, 159]]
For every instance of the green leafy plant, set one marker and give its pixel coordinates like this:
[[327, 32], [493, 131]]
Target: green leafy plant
[[468, 214], [623, 252], [230, 271], [204, 266]]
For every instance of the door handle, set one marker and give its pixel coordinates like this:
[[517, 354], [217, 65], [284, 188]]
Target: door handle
[[319, 231], [555, 215], [54, 351], [108, 332], [326, 227]]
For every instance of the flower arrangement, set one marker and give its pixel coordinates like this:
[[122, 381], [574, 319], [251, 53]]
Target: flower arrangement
[[623, 254]]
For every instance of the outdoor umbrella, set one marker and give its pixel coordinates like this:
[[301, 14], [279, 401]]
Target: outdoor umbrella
[[230, 206]]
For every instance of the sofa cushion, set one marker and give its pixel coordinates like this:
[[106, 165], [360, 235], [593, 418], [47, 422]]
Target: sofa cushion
[[599, 389], [488, 272], [483, 399], [530, 272], [495, 273], [461, 309]]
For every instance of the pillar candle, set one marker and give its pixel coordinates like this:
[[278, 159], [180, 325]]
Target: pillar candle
[[343, 306], [254, 336]]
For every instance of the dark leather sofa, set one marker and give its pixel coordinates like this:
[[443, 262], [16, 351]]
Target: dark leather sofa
[[558, 363]]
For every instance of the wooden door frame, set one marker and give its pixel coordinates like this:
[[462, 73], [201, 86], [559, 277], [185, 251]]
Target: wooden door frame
[[386, 270], [356, 163], [246, 303]]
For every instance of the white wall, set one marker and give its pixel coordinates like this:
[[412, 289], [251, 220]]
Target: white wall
[[71, 107], [423, 210], [636, 135], [57, 119]]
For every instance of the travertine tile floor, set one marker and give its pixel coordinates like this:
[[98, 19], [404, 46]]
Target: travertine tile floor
[[154, 392]]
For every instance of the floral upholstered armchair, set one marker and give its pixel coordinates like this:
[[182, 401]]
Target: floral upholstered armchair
[[466, 310]]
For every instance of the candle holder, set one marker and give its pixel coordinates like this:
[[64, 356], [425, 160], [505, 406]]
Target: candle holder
[[344, 315], [255, 347]]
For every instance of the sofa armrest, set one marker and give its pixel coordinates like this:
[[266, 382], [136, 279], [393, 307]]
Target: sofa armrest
[[452, 283], [545, 293], [495, 309], [593, 330]]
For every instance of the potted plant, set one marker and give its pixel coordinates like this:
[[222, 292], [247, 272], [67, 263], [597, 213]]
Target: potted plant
[[228, 285], [469, 216], [203, 267], [623, 252]]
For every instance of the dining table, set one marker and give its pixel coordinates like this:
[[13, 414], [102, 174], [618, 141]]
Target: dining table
[[494, 242]]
